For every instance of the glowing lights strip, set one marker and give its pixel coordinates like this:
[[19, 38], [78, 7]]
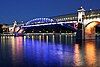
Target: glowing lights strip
[[40, 25], [41, 19], [48, 24], [67, 22]]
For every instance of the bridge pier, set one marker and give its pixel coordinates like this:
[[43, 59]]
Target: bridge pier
[[82, 35], [79, 34]]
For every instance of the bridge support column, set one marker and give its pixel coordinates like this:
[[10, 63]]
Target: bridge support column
[[81, 14], [83, 32], [79, 34]]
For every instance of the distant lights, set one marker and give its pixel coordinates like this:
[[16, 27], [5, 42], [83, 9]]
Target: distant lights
[[90, 9]]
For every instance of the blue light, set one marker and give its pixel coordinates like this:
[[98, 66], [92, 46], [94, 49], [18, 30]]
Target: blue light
[[41, 20]]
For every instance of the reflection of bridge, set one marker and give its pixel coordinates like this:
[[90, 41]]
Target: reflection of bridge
[[64, 23]]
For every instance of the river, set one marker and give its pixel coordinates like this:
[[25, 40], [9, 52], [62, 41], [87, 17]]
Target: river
[[48, 51]]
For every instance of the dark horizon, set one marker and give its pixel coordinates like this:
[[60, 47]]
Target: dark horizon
[[25, 10]]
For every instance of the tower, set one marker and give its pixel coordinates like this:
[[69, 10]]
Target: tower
[[80, 32], [81, 13]]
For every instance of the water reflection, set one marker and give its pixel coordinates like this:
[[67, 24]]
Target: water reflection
[[17, 50], [77, 55], [13, 48], [47, 39], [53, 39], [90, 52], [48, 51]]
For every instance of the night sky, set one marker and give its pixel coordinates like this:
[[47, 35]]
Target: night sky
[[24, 10]]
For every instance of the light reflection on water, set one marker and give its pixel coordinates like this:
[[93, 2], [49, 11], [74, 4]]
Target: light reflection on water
[[48, 51], [77, 55], [90, 52]]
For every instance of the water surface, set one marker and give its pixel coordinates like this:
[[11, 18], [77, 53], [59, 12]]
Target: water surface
[[48, 51]]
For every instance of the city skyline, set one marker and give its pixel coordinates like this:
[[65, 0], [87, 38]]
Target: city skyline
[[25, 10]]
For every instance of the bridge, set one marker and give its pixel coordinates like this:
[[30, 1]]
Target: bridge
[[48, 25], [82, 20]]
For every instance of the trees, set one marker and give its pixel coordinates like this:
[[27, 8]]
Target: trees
[[1, 30]]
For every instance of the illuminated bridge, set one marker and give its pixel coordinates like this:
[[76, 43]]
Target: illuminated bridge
[[49, 25], [86, 22]]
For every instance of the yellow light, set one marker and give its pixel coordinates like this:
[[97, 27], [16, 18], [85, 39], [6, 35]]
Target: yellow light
[[77, 56], [90, 29], [90, 52]]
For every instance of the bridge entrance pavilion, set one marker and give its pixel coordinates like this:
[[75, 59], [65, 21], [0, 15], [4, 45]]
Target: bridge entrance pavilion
[[89, 19]]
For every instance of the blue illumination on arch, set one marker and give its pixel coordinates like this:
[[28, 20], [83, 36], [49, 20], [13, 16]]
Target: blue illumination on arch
[[40, 20]]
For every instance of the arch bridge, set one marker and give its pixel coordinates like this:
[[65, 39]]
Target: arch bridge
[[48, 25]]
